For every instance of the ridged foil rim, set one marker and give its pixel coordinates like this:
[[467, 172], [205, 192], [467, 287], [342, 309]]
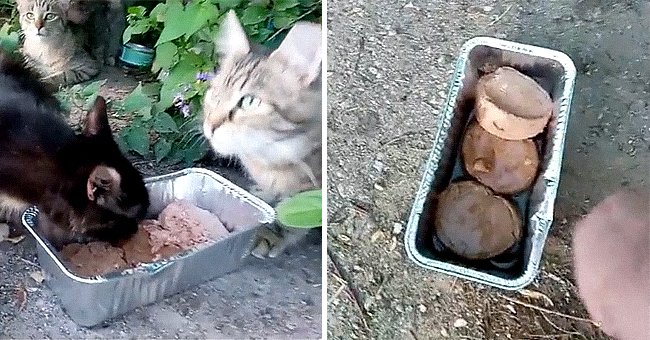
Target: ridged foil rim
[[29, 216], [542, 219]]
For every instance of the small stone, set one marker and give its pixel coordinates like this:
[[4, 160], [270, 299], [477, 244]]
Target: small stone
[[459, 323], [511, 308], [444, 333], [397, 228], [37, 276], [422, 308], [487, 9]]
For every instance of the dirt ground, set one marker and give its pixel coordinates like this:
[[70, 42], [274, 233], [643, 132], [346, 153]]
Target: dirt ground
[[389, 66], [277, 298]]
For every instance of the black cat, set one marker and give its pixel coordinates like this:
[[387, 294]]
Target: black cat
[[83, 185]]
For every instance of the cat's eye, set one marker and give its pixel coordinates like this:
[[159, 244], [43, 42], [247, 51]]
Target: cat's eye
[[29, 16], [248, 102], [50, 16]]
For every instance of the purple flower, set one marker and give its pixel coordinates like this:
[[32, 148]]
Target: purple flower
[[185, 110], [179, 99], [202, 76], [205, 76]]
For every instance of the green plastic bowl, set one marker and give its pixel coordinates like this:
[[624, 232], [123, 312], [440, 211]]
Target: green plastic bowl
[[137, 55]]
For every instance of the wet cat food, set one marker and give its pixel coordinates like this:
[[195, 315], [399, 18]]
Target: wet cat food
[[505, 166], [511, 105], [475, 223], [93, 258], [179, 227]]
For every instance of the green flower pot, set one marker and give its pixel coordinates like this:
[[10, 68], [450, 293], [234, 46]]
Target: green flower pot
[[136, 55]]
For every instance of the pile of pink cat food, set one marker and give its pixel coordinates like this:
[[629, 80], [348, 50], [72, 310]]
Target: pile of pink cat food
[[475, 218], [179, 227]]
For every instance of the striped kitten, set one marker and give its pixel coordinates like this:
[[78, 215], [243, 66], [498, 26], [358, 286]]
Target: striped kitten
[[266, 111], [58, 35]]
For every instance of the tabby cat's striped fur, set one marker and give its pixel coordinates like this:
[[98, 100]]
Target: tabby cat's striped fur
[[61, 35], [266, 111]]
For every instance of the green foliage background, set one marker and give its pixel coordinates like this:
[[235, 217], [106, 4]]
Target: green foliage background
[[182, 35], [183, 38]]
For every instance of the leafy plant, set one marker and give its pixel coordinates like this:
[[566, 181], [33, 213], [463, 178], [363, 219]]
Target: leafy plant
[[303, 210], [80, 96], [9, 32], [142, 28], [167, 118]]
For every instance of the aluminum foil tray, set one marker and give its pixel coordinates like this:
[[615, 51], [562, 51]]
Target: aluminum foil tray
[[91, 301], [555, 72]]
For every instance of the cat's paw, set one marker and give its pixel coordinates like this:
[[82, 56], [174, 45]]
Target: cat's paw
[[266, 244], [271, 244]]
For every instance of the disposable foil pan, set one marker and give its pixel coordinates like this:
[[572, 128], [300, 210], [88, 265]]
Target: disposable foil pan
[[555, 72], [90, 301]]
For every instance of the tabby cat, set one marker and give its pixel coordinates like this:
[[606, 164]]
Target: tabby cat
[[265, 109], [83, 186], [67, 41]]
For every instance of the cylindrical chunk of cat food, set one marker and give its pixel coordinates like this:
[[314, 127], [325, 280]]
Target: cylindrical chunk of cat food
[[505, 166], [511, 105], [475, 223], [611, 249]]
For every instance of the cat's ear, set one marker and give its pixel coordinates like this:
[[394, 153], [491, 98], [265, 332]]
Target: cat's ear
[[231, 39], [302, 48], [97, 119], [103, 181]]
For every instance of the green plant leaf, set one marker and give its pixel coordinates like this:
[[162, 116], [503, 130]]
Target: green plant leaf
[[137, 101], [159, 12], [121, 141], [182, 73], [65, 101], [175, 23], [165, 56], [228, 4], [137, 11], [92, 89], [303, 210], [137, 138], [254, 15], [151, 89], [195, 152], [281, 5], [161, 149], [198, 15], [8, 40], [136, 28], [163, 122], [126, 36], [262, 3], [90, 92], [282, 20], [262, 35]]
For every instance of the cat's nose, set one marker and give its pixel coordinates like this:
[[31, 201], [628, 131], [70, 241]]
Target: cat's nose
[[39, 23]]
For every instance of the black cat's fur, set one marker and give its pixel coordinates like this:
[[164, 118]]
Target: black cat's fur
[[83, 185]]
